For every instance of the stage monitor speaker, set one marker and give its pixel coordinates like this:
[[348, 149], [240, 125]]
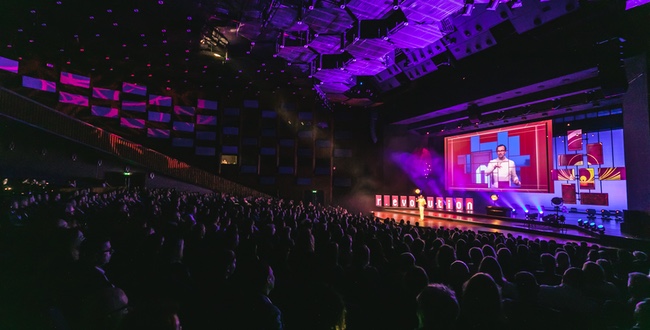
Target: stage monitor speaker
[[636, 223], [498, 211]]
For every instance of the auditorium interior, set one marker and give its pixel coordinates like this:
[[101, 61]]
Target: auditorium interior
[[322, 114]]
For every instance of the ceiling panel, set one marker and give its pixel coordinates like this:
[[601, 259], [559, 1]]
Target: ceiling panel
[[429, 12], [283, 18], [334, 75], [414, 35], [368, 67], [326, 44], [297, 54], [370, 48], [328, 20], [335, 87], [370, 9]]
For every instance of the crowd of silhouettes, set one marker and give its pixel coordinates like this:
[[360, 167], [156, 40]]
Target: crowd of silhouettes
[[165, 259]]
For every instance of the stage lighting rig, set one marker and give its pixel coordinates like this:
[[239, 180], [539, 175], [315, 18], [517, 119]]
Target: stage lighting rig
[[605, 214], [591, 214]]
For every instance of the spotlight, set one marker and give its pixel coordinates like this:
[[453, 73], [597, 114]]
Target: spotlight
[[591, 213], [580, 222], [601, 229], [592, 225], [605, 214], [494, 197]]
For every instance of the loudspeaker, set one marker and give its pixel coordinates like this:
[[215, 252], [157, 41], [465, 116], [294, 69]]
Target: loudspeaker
[[474, 113], [611, 68], [498, 211], [636, 223]]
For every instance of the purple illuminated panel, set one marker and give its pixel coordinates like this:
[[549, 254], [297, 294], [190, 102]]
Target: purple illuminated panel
[[158, 133], [104, 112], [40, 84], [163, 101], [106, 94], [8, 65], [132, 123], [182, 126], [136, 106], [207, 136], [207, 104], [205, 151], [134, 89], [253, 104], [206, 120], [68, 78], [629, 4], [182, 142], [73, 99], [184, 110], [160, 117]]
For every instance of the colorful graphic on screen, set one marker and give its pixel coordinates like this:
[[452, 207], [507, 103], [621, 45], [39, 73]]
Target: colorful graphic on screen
[[574, 139], [587, 178], [569, 193], [594, 199], [564, 174], [570, 160], [594, 153], [469, 158], [611, 173]]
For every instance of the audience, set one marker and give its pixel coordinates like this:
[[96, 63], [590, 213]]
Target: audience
[[162, 259], [437, 308]]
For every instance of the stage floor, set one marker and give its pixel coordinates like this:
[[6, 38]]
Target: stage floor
[[519, 226]]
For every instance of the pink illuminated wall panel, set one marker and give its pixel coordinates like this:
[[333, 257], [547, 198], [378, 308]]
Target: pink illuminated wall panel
[[75, 99], [67, 78]]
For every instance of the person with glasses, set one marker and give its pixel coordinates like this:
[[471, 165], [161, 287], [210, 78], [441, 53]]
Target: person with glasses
[[502, 171], [86, 277]]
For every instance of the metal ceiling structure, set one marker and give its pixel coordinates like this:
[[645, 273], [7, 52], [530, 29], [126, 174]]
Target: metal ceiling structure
[[346, 52]]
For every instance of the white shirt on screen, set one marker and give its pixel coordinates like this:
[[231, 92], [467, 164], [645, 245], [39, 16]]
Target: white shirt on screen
[[502, 170]]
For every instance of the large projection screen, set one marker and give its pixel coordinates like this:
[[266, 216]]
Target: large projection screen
[[528, 145]]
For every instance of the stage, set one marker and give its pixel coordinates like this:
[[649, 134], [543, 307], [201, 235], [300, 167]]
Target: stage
[[518, 225]]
